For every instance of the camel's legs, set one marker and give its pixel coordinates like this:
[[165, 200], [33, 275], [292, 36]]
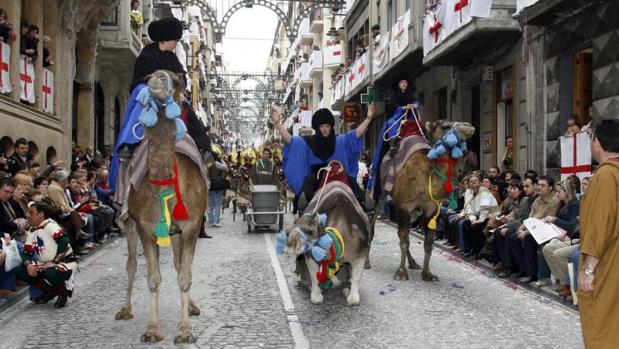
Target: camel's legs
[[177, 246], [403, 219], [312, 268], [377, 205], [132, 243], [428, 244], [355, 280], [153, 330], [189, 237]]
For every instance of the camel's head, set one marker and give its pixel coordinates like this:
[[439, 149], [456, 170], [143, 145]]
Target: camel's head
[[296, 240], [163, 84], [437, 129]]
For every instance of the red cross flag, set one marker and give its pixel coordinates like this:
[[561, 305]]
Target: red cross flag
[[461, 12], [576, 155], [26, 80], [5, 59], [47, 91], [399, 35], [434, 28]]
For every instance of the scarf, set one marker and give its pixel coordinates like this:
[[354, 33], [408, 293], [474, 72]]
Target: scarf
[[322, 147]]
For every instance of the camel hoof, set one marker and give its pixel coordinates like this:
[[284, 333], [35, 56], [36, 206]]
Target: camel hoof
[[152, 336], [316, 297], [367, 265], [183, 338], [346, 292], [194, 310], [414, 266], [353, 299], [124, 314], [400, 274], [428, 276]]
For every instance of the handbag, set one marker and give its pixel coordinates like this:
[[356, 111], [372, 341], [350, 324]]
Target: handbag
[[13, 259]]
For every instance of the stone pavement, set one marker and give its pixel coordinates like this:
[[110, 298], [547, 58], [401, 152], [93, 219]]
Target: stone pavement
[[235, 284]]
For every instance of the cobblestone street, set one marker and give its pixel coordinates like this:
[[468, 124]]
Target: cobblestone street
[[235, 283]]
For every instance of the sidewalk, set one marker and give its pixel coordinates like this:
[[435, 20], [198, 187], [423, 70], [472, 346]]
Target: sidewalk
[[22, 291]]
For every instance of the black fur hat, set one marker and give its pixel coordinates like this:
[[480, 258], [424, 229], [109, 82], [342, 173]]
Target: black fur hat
[[399, 77], [322, 116], [165, 29]]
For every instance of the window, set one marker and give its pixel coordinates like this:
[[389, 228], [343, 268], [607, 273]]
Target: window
[[111, 20], [441, 98]]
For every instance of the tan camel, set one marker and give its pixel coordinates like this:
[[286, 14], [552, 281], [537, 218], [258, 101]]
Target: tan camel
[[410, 194], [145, 213]]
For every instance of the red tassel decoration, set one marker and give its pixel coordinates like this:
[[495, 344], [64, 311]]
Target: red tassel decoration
[[448, 187]]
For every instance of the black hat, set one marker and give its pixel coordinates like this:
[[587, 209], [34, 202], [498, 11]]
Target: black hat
[[165, 29], [322, 116], [399, 77]]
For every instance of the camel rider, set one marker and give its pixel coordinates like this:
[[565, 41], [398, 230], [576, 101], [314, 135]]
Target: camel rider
[[159, 55], [305, 156], [403, 100], [264, 171]]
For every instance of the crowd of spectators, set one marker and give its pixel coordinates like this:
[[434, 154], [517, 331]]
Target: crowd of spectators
[[489, 224], [77, 197]]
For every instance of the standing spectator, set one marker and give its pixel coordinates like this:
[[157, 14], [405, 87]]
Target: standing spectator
[[572, 126], [47, 57], [215, 195], [598, 279], [508, 158], [5, 27], [137, 21], [19, 160]]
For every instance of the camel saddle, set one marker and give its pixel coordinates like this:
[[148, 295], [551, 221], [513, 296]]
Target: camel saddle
[[391, 166], [335, 172]]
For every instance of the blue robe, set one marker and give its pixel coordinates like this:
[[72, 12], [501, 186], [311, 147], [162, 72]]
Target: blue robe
[[299, 158], [381, 143], [126, 136]]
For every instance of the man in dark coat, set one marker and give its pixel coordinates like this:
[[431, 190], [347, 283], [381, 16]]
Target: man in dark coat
[[19, 160]]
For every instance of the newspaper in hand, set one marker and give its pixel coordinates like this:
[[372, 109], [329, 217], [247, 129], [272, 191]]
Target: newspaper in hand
[[542, 231]]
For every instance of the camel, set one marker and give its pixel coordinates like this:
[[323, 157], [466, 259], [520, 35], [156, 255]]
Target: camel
[[410, 194], [145, 214], [344, 213]]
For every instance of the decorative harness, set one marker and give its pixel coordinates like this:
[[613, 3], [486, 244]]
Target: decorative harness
[[327, 250], [445, 151]]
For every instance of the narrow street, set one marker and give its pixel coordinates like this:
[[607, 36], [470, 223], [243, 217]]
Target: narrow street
[[235, 284]]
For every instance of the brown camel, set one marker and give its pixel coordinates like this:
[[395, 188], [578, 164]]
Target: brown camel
[[410, 194], [145, 213]]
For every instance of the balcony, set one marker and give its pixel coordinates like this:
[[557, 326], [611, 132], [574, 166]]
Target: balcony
[[306, 37], [120, 45], [469, 33], [545, 12], [305, 80], [316, 64], [316, 21]]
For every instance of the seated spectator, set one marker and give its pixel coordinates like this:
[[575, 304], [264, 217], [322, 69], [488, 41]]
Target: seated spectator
[[574, 182], [508, 231], [558, 251], [12, 218], [6, 28], [7, 278], [47, 57], [584, 184], [572, 126], [106, 213], [486, 182], [81, 201], [48, 258], [19, 161], [102, 188], [524, 250], [508, 211], [455, 219], [480, 207], [23, 186]]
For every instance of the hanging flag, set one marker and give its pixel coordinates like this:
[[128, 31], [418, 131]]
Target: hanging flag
[[5, 77], [333, 55], [26, 80], [434, 28], [576, 155], [460, 12], [381, 52], [399, 35], [47, 91]]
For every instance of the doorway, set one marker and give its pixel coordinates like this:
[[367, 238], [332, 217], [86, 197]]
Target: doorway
[[99, 117]]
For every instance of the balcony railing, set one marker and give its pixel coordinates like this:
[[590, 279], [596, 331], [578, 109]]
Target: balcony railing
[[316, 64], [304, 75]]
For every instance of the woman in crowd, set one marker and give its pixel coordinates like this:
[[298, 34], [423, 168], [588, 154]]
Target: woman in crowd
[[558, 251]]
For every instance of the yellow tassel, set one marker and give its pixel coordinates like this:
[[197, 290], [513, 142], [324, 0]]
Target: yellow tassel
[[432, 224], [163, 241]]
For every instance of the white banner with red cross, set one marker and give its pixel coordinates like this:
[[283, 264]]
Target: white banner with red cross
[[5, 77], [399, 35], [333, 55], [381, 53], [338, 89], [47, 91], [460, 12], [434, 31], [26, 80], [576, 155]]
